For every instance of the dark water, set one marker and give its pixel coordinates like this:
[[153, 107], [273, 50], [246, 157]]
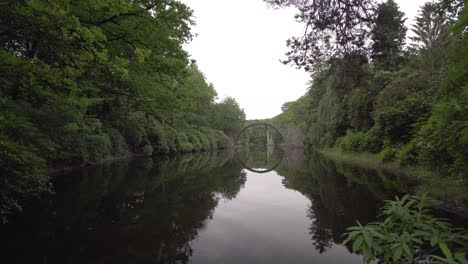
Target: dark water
[[201, 208]]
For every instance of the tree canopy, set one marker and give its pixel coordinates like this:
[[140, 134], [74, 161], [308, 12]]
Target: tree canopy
[[85, 80]]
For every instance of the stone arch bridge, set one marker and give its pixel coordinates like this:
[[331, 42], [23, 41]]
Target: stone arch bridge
[[292, 135]]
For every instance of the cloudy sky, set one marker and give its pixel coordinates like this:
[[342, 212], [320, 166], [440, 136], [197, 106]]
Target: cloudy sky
[[239, 47]]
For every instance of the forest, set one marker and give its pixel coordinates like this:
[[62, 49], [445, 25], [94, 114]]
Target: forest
[[399, 93], [84, 81]]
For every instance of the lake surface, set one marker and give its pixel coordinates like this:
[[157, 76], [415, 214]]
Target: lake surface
[[249, 206]]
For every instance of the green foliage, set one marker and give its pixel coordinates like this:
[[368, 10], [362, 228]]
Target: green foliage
[[221, 139], [182, 142], [294, 112], [389, 151], [407, 106], [409, 233], [119, 145], [227, 115], [368, 141], [23, 176], [388, 35], [95, 79], [147, 150]]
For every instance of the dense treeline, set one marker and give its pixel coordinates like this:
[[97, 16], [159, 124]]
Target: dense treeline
[[405, 101], [85, 80]]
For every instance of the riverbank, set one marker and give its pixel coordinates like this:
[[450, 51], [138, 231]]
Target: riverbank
[[452, 192], [59, 169]]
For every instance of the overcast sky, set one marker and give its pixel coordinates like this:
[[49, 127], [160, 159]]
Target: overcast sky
[[239, 47]]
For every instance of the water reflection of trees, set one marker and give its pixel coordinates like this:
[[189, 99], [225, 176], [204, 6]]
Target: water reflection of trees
[[340, 195], [125, 212]]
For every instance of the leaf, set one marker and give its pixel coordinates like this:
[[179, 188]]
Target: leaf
[[461, 257], [446, 250], [407, 251], [357, 244], [367, 239], [397, 254]]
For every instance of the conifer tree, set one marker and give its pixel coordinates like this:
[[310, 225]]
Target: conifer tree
[[388, 36]]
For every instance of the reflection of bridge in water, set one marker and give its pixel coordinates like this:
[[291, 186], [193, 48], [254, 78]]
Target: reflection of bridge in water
[[269, 153], [292, 138]]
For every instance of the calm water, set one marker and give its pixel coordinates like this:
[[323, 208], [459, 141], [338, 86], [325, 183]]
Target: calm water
[[201, 208]]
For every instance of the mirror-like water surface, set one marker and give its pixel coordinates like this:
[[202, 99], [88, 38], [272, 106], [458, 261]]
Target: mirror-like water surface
[[200, 208]]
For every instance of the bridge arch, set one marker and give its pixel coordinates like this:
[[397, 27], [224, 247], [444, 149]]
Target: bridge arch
[[257, 124]]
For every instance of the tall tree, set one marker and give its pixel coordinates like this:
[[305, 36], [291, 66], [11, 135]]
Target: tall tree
[[333, 28], [388, 35], [430, 28]]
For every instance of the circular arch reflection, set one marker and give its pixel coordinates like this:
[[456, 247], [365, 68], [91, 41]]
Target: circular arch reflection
[[265, 170]]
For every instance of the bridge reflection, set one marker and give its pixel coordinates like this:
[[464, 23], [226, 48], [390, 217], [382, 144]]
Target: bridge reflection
[[259, 159]]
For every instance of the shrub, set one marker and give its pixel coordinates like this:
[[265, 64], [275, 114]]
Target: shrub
[[194, 140], [134, 133], [119, 146], [182, 142], [158, 138], [85, 142], [409, 234], [360, 141], [147, 150], [171, 137], [353, 141], [98, 147], [221, 139], [23, 176], [408, 154], [204, 140], [388, 153]]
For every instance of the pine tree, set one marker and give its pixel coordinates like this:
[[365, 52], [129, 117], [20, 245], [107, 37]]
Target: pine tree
[[388, 36], [430, 28]]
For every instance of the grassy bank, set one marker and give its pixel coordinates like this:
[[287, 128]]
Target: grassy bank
[[453, 192]]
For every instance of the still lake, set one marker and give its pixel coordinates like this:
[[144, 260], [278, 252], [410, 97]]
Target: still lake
[[248, 206]]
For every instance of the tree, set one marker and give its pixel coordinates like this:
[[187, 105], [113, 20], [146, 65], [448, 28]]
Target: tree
[[227, 115], [85, 80], [333, 28], [388, 36], [431, 27]]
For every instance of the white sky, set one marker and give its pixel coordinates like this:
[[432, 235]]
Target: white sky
[[239, 47]]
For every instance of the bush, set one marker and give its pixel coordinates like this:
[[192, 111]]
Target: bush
[[204, 140], [194, 140], [147, 150], [158, 138], [171, 137], [119, 146], [221, 139], [408, 154], [353, 141], [182, 142], [409, 234], [360, 141], [388, 153], [98, 147], [134, 132], [85, 142], [23, 176]]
